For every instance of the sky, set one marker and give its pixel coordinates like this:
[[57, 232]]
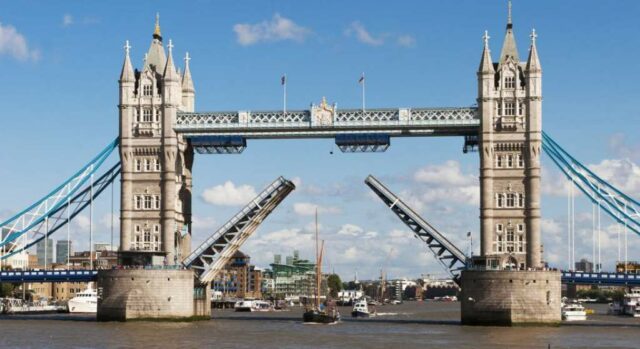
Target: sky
[[60, 62]]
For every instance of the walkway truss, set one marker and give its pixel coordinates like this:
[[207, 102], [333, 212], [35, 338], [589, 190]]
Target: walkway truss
[[57, 208], [451, 258], [622, 208], [214, 253]]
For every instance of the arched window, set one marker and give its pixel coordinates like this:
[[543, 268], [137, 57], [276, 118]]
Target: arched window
[[511, 200], [509, 81], [520, 200], [147, 89], [147, 236]]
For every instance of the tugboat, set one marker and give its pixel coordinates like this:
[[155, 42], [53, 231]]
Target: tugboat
[[318, 313], [360, 309]]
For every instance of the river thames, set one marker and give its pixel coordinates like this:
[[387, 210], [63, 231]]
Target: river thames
[[412, 324]]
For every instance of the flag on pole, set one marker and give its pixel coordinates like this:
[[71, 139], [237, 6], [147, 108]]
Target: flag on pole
[[283, 82], [361, 80]]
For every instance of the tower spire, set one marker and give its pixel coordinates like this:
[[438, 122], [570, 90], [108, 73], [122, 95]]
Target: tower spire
[[509, 49], [486, 63], [126, 75], [187, 82], [170, 69], [156, 32], [533, 62]]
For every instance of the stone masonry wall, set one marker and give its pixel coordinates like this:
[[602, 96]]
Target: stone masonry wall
[[500, 297], [145, 294]]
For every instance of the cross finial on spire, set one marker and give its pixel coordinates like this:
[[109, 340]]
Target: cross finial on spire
[[486, 38], [533, 36], [509, 15], [127, 47], [170, 46], [187, 58]]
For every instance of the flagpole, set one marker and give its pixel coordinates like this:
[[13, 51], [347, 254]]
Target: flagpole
[[284, 86], [364, 81]]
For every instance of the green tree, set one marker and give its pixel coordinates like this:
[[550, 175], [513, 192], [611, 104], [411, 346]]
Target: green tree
[[6, 289], [335, 285]]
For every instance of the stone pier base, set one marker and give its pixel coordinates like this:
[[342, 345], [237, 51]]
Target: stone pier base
[[150, 295], [500, 297]]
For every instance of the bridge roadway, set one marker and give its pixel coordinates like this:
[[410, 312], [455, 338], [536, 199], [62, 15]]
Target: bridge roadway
[[568, 277], [327, 122]]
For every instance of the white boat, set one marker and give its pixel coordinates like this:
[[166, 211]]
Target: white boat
[[360, 309], [84, 302], [18, 306], [631, 302], [573, 312], [252, 305]]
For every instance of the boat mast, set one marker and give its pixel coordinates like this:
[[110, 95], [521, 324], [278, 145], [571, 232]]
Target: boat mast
[[317, 300]]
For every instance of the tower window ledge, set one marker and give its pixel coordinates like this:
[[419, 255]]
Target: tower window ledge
[[508, 123]]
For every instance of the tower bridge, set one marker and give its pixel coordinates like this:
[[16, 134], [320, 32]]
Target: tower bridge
[[159, 130]]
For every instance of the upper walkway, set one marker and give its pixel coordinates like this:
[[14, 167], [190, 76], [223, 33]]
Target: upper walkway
[[326, 122]]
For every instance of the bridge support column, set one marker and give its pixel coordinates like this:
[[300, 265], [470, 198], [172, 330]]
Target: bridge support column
[[150, 294], [506, 298]]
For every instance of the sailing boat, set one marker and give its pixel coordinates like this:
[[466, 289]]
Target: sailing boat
[[319, 313]]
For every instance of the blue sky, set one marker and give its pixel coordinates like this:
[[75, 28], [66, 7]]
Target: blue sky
[[60, 62]]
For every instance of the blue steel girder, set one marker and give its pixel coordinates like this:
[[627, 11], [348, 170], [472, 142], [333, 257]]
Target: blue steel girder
[[215, 252], [451, 258], [404, 122], [577, 277], [61, 216], [17, 276], [34, 215], [621, 207]]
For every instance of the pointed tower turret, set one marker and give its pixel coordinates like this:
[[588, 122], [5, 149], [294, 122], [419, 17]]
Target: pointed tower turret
[[486, 107], [170, 73], [188, 92], [126, 75], [533, 62], [156, 58], [486, 63], [509, 48]]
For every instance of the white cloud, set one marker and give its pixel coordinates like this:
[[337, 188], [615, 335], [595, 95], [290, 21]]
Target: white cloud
[[67, 20], [350, 230], [202, 223], [228, 194], [448, 174], [277, 29], [14, 44], [309, 209], [81, 222], [624, 174], [356, 28], [360, 32], [447, 182], [406, 40]]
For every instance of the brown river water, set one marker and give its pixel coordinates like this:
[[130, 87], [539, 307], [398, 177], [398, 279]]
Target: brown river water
[[408, 325]]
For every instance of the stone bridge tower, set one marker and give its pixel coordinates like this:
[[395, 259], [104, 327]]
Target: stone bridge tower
[[155, 215], [509, 101]]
